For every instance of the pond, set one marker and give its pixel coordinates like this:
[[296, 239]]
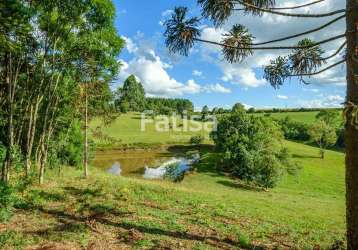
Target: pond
[[142, 164]]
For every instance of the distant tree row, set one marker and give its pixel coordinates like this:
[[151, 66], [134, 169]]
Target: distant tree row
[[166, 106], [131, 98], [57, 59]]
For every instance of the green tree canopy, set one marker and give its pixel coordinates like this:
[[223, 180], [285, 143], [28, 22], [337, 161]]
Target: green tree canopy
[[131, 96], [323, 135], [252, 148]]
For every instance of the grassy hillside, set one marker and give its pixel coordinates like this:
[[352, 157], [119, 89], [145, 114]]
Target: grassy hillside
[[208, 210], [127, 129], [306, 117]]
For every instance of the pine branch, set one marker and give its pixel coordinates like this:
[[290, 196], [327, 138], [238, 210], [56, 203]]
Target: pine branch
[[273, 47], [335, 53], [250, 6], [321, 71], [303, 33], [293, 7]]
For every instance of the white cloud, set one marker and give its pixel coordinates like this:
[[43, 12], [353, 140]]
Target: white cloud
[[331, 101], [217, 88], [165, 15], [197, 73], [270, 27], [130, 46], [311, 90], [282, 97], [154, 75], [152, 72]]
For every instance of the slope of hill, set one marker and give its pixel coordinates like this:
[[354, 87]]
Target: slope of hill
[[305, 117], [208, 210]]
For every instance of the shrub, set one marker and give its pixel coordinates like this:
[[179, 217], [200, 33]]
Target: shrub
[[174, 173], [294, 130], [252, 149], [197, 139], [323, 135], [8, 200]]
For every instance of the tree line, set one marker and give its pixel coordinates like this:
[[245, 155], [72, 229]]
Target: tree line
[[131, 97], [57, 59]]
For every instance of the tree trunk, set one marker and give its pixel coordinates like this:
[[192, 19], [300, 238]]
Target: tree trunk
[[42, 164], [321, 152], [31, 135], [85, 152], [351, 130], [10, 126]]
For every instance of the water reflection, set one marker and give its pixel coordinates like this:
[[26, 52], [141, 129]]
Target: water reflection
[[148, 165], [158, 172], [115, 169]]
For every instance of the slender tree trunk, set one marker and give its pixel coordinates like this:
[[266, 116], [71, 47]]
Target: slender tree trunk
[[85, 153], [42, 164], [27, 150], [10, 126], [31, 135], [351, 130]]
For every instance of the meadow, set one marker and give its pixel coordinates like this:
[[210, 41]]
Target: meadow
[[208, 210], [305, 117], [127, 130]]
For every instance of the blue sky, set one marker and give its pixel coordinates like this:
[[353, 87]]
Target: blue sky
[[204, 77]]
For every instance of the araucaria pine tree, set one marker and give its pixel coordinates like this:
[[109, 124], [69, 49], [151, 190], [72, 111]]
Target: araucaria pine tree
[[306, 58]]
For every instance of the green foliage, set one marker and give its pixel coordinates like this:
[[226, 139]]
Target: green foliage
[[294, 130], [305, 59], [174, 173], [131, 96], [71, 145], [238, 107], [252, 149], [166, 106], [2, 153], [236, 43], [61, 51], [197, 139], [330, 117], [12, 239], [8, 199], [323, 135], [181, 31]]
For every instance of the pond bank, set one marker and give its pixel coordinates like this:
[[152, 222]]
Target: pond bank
[[147, 162], [154, 147]]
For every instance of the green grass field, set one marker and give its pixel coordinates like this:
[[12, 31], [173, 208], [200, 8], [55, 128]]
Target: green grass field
[[305, 117], [208, 210], [127, 129]]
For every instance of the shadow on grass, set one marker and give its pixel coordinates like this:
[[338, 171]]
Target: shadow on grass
[[94, 213], [93, 192], [75, 223], [233, 184], [305, 156], [182, 149], [47, 195]]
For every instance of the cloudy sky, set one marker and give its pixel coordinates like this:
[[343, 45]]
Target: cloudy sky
[[205, 78]]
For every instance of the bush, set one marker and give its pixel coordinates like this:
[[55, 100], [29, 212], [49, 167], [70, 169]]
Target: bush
[[252, 149], [174, 173], [293, 130], [68, 148], [8, 200], [197, 139]]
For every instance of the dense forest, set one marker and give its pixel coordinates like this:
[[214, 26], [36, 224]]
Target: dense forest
[[55, 56]]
